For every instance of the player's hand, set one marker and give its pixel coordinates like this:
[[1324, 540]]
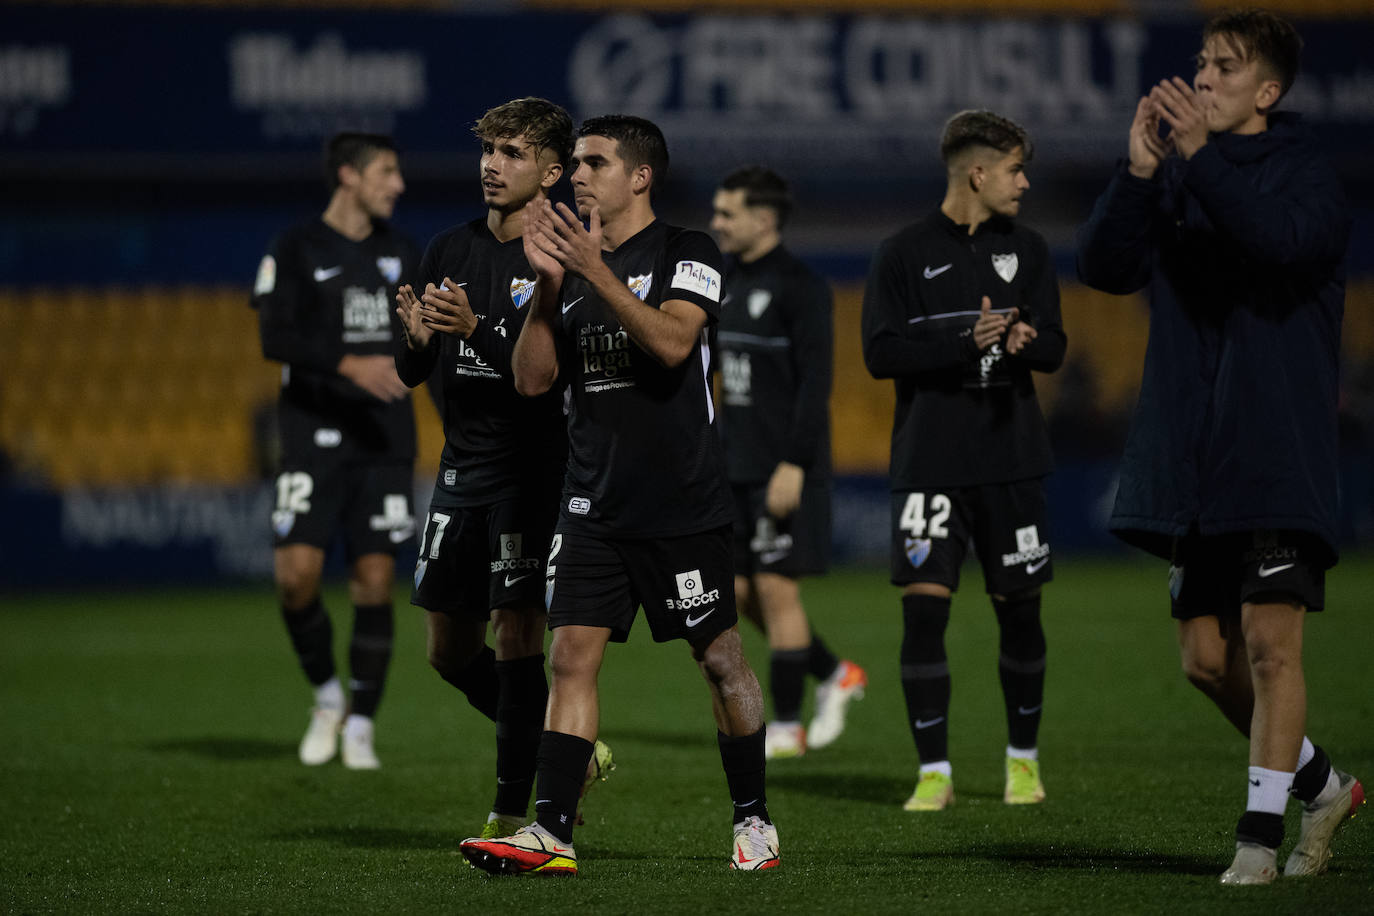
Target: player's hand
[[539, 242], [408, 309], [1147, 148], [576, 247], [1178, 106], [783, 495], [1018, 335], [989, 328], [445, 309], [374, 374]]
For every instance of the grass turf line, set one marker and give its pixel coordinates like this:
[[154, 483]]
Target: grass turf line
[[150, 766]]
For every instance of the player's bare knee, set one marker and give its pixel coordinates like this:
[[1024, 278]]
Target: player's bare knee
[[297, 589], [722, 659], [1206, 673], [517, 634], [932, 589]]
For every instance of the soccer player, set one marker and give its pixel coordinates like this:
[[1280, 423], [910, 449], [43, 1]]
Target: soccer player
[[645, 512], [484, 543], [775, 344], [959, 309], [323, 295], [1227, 210]]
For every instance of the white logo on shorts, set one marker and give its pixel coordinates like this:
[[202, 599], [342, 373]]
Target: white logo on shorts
[[510, 546], [692, 593]]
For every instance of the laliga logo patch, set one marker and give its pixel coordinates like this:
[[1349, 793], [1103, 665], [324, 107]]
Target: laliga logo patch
[[917, 550], [390, 268], [640, 285], [521, 290], [283, 520], [759, 301], [1005, 265]]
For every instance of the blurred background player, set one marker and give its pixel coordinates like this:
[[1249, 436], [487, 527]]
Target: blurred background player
[[1239, 225], [959, 309], [323, 295], [486, 538], [775, 343], [646, 506]]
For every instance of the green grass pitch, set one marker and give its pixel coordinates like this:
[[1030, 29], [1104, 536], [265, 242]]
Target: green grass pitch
[[147, 764]]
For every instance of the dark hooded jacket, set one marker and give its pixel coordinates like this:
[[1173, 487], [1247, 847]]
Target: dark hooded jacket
[[1243, 250]]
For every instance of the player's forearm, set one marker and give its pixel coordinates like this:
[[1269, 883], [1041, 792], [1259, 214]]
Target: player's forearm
[[285, 345], [1113, 246], [666, 337], [1046, 352], [534, 361], [415, 366], [1306, 223], [891, 356]]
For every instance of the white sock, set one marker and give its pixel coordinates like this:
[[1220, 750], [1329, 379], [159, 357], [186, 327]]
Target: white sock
[[939, 766], [1329, 792], [1022, 753], [1268, 790], [1307, 753], [330, 695]]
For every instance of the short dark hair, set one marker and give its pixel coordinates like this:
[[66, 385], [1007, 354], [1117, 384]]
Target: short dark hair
[[545, 125], [979, 127], [638, 141], [355, 149], [1259, 34], [762, 188]]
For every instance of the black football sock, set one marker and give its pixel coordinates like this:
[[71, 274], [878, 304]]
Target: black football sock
[[821, 662], [369, 654], [925, 674], [744, 763], [478, 682], [1021, 667], [1260, 827], [788, 676], [519, 723], [1311, 778], [563, 763], [312, 637]]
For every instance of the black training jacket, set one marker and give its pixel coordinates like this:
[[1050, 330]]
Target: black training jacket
[[963, 417], [1243, 249]]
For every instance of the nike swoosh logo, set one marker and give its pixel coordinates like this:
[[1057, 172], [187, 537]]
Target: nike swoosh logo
[[1021, 710], [510, 581], [1265, 571], [742, 859], [322, 274], [397, 536], [693, 621], [927, 723], [1254, 782], [568, 305], [931, 273], [1033, 568]]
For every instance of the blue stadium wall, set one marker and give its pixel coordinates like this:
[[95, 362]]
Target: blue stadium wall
[[156, 145]]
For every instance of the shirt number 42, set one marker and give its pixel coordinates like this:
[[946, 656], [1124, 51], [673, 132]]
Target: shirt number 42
[[915, 521]]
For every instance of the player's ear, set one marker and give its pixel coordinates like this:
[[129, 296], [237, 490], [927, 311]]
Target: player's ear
[[1267, 96], [641, 179], [976, 175], [551, 175]]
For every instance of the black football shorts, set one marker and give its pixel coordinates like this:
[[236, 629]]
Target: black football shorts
[[368, 504], [476, 558], [1213, 575], [796, 546], [685, 584], [1005, 522]]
